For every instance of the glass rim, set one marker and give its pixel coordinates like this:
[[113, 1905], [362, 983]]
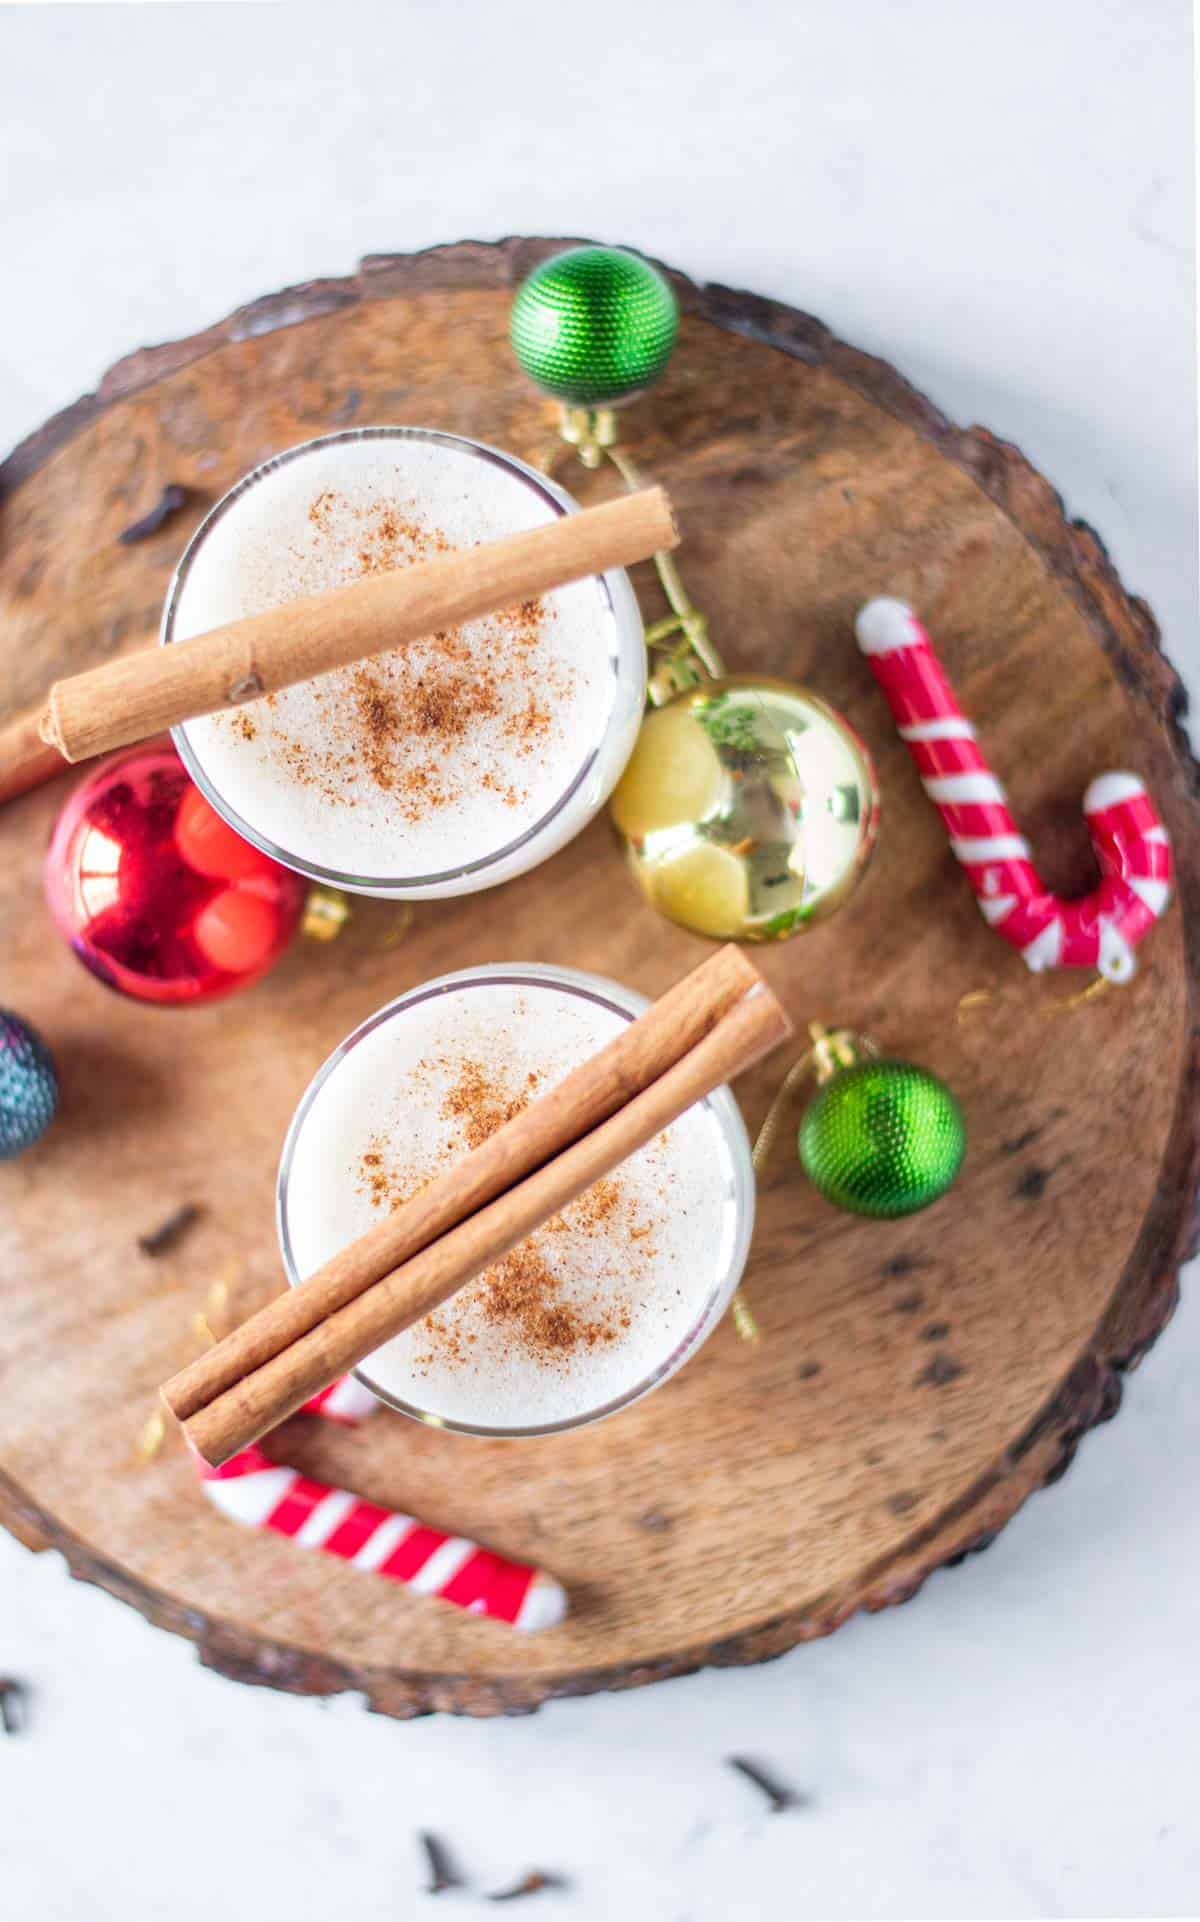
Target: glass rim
[[628, 1003], [621, 612]]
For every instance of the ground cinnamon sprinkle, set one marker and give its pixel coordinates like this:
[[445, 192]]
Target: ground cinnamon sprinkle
[[379, 719], [529, 726], [322, 508], [599, 1204], [375, 1180], [523, 1293], [479, 1106], [511, 796], [407, 724], [524, 1298]]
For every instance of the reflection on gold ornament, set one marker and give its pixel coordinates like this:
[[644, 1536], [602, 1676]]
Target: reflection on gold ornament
[[748, 810]]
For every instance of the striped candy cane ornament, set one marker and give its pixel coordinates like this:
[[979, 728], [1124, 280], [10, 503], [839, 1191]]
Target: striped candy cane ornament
[[252, 1489], [1129, 840]]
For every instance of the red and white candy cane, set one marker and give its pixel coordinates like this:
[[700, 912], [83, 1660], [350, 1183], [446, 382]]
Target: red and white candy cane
[[1129, 840], [252, 1489]]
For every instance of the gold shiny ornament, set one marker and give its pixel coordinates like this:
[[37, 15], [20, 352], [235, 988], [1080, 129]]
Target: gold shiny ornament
[[748, 810]]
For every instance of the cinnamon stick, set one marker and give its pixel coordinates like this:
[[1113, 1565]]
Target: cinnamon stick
[[642, 1051], [146, 693], [588, 1095], [25, 759], [266, 1395]]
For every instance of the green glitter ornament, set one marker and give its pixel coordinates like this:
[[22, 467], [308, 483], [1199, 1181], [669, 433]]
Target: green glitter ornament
[[594, 325], [881, 1138]]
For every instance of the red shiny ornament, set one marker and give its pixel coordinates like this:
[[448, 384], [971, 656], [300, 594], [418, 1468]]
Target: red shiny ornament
[[237, 931], [156, 894], [210, 846]]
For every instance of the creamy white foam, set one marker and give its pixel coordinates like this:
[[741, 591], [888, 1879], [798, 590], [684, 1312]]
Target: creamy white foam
[[443, 754], [631, 1277]]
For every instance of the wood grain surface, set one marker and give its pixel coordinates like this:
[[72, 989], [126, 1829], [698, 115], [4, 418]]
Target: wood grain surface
[[914, 1381]]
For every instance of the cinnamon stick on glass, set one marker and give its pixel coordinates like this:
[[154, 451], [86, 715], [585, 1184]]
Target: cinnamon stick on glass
[[25, 760], [158, 688], [713, 1024]]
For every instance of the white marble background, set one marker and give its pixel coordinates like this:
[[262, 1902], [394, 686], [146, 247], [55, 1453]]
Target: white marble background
[[1000, 199]]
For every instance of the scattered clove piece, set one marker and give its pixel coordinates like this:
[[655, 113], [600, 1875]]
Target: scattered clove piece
[[442, 1872], [169, 1231], [169, 502], [14, 1706], [777, 1793], [530, 1884]]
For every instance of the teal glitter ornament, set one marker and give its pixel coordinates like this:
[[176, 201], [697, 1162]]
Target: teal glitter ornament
[[28, 1086], [882, 1138], [594, 325]]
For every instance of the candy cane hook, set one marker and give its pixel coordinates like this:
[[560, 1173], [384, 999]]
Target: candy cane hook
[[1130, 843], [259, 1493]]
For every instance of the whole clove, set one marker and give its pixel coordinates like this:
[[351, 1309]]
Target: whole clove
[[778, 1795], [442, 1872], [169, 502], [14, 1706], [530, 1884], [169, 1231]]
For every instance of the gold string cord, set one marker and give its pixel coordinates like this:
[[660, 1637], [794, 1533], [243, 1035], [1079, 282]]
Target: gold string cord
[[980, 998], [685, 617], [154, 1433], [592, 432], [827, 1053]]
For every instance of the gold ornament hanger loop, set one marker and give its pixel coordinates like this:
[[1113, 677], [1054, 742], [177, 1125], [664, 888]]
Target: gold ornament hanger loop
[[592, 432], [829, 1052]]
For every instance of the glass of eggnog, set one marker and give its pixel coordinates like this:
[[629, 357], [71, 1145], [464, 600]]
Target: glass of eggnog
[[450, 764], [596, 1307]]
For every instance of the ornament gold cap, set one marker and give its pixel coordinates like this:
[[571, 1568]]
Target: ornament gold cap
[[326, 912]]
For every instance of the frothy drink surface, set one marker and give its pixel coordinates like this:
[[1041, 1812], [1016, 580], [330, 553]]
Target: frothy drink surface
[[421, 761], [592, 1303]]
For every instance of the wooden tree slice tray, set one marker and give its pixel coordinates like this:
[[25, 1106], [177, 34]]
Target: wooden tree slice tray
[[914, 1381]]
